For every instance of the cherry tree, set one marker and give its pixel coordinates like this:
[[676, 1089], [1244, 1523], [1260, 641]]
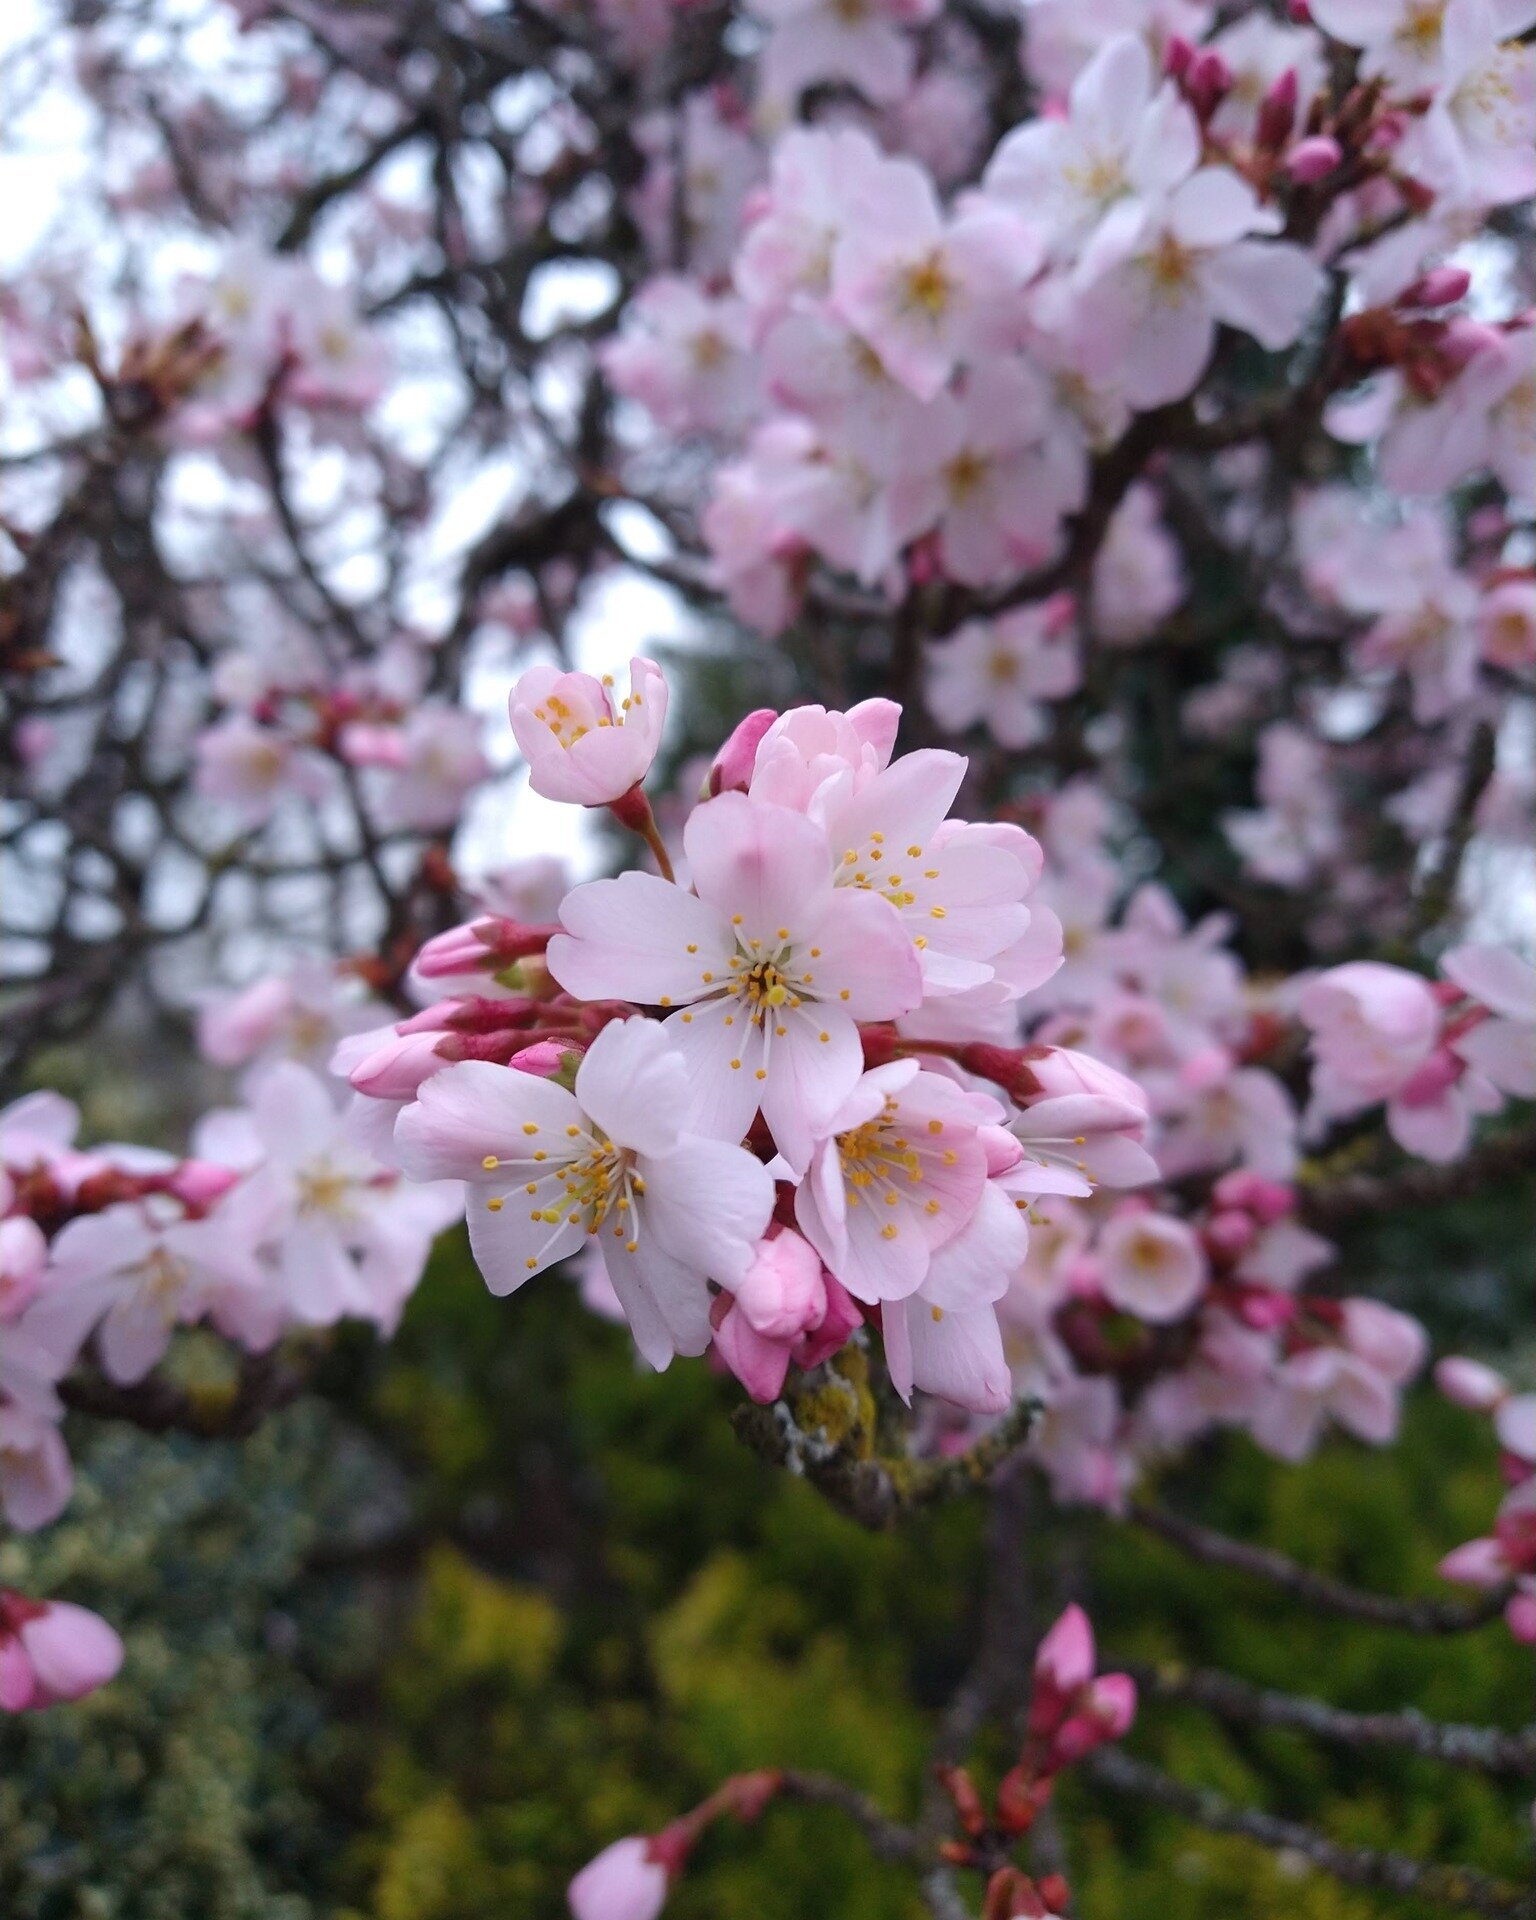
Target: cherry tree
[[1104, 439]]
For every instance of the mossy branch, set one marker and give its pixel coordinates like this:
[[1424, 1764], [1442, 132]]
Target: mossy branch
[[826, 1431]]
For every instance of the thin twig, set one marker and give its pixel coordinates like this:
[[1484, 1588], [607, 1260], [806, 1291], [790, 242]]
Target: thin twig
[[1488, 1749], [1320, 1590], [1465, 1888]]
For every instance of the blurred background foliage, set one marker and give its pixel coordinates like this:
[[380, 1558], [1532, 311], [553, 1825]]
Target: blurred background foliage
[[491, 1597]]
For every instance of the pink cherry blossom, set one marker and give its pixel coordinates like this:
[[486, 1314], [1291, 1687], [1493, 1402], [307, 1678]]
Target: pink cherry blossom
[[624, 1882], [898, 1170], [1372, 1027], [997, 673], [1158, 275], [922, 291], [581, 742], [51, 1652], [1503, 1047], [670, 1209], [1151, 1265], [765, 968]]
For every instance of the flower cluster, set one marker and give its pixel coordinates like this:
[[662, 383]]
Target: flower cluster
[[1506, 1559], [750, 1093], [280, 1220]]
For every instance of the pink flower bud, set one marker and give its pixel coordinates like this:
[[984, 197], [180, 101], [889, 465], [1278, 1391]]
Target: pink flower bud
[[1177, 54], [1226, 1235], [1064, 1658], [624, 1882], [1277, 113], [1464, 339], [732, 770], [1515, 1424], [1468, 1383], [198, 1183], [759, 1362], [843, 1316], [1440, 287], [52, 1652], [483, 946], [1267, 1200], [1112, 1702], [1208, 82], [1520, 1618], [1313, 159], [546, 1059], [363, 744], [395, 1070], [782, 1293]]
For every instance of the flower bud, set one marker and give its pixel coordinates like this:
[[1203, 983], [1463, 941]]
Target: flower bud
[[1277, 113], [1440, 287], [1313, 159], [624, 1882], [782, 1293], [732, 769], [1468, 1383]]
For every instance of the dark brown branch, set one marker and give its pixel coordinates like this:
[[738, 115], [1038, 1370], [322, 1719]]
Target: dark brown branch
[[264, 1386], [1319, 1590], [1464, 1889], [1488, 1749], [887, 1837], [1438, 893]]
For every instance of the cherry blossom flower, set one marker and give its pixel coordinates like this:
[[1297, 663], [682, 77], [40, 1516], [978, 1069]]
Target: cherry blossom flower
[[1476, 145], [1405, 41], [624, 1882], [1372, 1027], [341, 1236], [817, 41], [922, 291], [1503, 1047], [52, 1651], [582, 744], [819, 178], [995, 470], [670, 1209], [996, 673], [1122, 137], [1138, 579], [1506, 625], [253, 770], [1296, 830], [898, 1170], [132, 1275], [685, 357], [1151, 1265], [766, 967], [36, 1477], [1158, 275]]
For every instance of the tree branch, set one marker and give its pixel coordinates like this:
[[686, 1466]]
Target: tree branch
[[1320, 1590], [1464, 1888], [1488, 1749]]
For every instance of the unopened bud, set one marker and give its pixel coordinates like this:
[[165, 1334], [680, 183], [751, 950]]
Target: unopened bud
[[1313, 159], [1277, 112], [1440, 287]]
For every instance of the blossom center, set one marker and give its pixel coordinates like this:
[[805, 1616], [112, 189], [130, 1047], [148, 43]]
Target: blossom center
[[927, 288]]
